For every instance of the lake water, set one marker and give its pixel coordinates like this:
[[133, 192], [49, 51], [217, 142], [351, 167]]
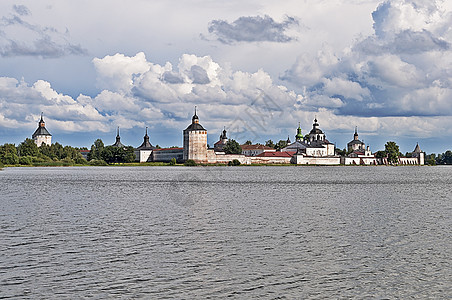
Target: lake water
[[226, 232]]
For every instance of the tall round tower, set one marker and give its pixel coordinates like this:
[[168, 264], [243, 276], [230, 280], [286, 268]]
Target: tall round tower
[[195, 141]]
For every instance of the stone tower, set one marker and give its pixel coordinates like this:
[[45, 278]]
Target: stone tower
[[41, 134], [419, 154], [195, 141]]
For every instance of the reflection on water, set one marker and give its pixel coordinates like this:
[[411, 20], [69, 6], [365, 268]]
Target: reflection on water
[[217, 232]]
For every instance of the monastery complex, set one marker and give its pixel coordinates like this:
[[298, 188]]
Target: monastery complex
[[310, 149]]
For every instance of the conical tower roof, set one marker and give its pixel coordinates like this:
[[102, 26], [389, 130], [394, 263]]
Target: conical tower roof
[[417, 149], [118, 141], [146, 144], [41, 128]]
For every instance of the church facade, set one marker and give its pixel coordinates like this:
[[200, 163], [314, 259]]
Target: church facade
[[355, 144]]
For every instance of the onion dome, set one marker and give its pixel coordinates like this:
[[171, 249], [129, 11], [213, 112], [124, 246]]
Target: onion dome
[[195, 123], [299, 135]]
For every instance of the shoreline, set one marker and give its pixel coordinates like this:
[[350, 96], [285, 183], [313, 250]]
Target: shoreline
[[161, 164]]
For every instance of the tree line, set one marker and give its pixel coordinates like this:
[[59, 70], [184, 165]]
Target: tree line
[[28, 153], [110, 154]]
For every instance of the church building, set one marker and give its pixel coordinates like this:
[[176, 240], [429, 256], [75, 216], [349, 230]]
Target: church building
[[41, 135], [313, 144], [218, 146], [356, 144]]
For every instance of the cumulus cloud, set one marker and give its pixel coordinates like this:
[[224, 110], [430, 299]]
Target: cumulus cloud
[[21, 38], [137, 92], [250, 105], [403, 69], [23, 103], [252, 29]]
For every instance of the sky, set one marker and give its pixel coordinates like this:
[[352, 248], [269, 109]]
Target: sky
[[256, 68]]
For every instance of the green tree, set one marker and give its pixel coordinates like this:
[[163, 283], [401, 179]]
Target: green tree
[[26, 160], [96, 150], [190, 163], [112, 154], [129, 155], [248, 142], [430, 159], [28, 148], [8, 154], [97, 162], [270, 143], [234, 162], [232, 147], [281, 144], [56, 151], [445, 158], [341, 152], [392, 150], [172, 162], [381, 154]]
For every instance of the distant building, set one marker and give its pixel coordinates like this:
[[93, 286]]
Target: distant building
[[195, 141], [143, 153], [166, 154], [355, 144], [312, 148], [417, 157], [218, 146], [313, 144], [118, 141], [417, 153], [85, 153], [273, 157], [255, 150], [41, 135], [360, 157]]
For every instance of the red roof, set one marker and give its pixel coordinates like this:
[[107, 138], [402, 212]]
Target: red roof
[[167, 149], [256, 147], [276, 154], [219, 142]]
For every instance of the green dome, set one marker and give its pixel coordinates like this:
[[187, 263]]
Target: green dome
[[299, 135]]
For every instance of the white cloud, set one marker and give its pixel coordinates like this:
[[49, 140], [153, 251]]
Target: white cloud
[[346, 88], [116, 72], [404, 68]]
